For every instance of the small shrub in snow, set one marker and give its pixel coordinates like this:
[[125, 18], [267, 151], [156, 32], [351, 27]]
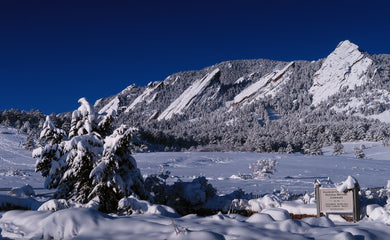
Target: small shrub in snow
[[179, 229], [359, 153], [245, 176], [263, 168], [283, 194]]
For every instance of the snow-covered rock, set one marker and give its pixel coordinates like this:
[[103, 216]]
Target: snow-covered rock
[[277, 213], [346, 66], [113, 105], [260, 218], [268, 84], [54, 205], [149, 90], [144, 207], [186, 98]]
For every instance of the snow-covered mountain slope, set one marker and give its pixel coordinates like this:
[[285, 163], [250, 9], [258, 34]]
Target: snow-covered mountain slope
[[371, 104], [113, 105], [346, 66], [17, 167], [188, 96], [348, 83], [266, 85], [145, 96]]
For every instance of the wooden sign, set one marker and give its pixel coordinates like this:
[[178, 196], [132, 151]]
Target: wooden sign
[[329, 200], [333, 201]]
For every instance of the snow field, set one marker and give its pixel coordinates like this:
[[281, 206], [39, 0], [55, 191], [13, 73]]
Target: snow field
[[295, 173]]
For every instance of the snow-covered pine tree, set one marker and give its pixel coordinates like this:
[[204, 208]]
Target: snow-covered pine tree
[[289, 149], [306, 148], [83, 150], [29, 143], [49, 154], [84, 119], [106, 123], [315, 149], [338, 149], [95, 163], [116, 174]]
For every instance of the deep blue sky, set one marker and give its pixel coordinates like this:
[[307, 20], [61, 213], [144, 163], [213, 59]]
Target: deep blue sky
[[54, 52]]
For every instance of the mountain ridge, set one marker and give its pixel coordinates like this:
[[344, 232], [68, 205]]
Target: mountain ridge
[[239, 99]]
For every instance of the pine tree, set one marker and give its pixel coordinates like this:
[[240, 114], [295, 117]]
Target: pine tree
[[83, 119], [289, 149], [338, 149], [315, 149], [93, 163], [49, 155], [29, 143], [82, 152], [116, 174]]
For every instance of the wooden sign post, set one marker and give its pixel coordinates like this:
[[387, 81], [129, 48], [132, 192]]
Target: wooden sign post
[[329, 200]]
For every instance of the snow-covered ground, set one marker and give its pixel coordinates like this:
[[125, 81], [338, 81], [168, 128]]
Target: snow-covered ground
[[295, 173], [16, 164]]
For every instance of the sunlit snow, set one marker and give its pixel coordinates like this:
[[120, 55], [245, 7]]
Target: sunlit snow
[[295, 173], [267, 84], [346, 66], [185, 99]]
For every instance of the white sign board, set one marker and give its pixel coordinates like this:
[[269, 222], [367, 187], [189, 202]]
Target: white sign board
[[333, 201]]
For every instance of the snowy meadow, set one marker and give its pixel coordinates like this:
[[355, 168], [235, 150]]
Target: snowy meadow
[[270, 198]]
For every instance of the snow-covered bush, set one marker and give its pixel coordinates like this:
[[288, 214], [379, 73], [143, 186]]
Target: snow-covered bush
[[25, 191], [156, 185], [284, 194], [263, 168], [359, 153], [186, 197]]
